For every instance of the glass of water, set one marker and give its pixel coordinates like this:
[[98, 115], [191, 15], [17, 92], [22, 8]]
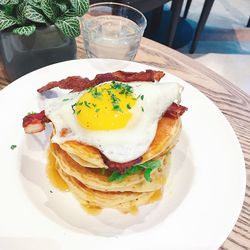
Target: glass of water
[[113, 30]]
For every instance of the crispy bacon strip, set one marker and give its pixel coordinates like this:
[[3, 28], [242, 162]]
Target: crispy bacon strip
[[175, 111], [71, 82], [147, 76], [34, 123], [121, 167], [77, 83]]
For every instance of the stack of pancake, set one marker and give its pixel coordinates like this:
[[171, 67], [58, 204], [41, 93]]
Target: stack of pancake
[[82, 167]]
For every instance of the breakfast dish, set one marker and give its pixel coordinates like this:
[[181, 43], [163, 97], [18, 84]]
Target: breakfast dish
[[112, 137], [203, 194]]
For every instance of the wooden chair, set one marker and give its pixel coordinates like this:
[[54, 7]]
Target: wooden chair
[[208, 4], [187, 8], [176, 7]]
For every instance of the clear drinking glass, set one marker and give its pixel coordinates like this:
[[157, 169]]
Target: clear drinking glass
[[112, 30]]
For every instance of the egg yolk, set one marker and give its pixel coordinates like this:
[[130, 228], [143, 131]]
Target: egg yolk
[[105, 107]]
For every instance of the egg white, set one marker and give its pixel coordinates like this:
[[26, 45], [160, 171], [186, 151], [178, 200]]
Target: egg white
[[121, 145]]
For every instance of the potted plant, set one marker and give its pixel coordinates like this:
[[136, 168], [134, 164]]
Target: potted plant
[[36, 33]]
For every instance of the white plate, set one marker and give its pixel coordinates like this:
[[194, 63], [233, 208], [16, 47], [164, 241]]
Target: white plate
[[201, 202]]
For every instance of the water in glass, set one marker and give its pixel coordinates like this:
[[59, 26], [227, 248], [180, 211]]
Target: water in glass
[[110, 36]]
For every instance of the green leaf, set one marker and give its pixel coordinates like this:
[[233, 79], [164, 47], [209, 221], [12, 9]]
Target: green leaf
[[80, 6], [4, 2], [147, 174], [117, 176], [25, 30], [48, 9], [134, 169], [63, 7], [13, 2], [34, 3], [8, 10], [148, 167], [151, 164], [70, 13], [6, 22], [33, 15], [70, 27], [20, 13]]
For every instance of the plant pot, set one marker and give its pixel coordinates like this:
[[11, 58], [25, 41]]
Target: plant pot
[[23, 54]]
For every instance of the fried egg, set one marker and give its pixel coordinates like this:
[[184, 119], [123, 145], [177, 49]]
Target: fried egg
[[118, 119]]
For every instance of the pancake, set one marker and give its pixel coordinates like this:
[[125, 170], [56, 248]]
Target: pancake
[[81, 168], [166, 137], [93, 178], [126, 202]]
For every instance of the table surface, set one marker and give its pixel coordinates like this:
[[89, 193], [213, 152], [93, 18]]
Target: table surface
[[234, 104]]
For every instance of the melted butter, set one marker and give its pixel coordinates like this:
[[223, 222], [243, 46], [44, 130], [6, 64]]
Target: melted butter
[[133, 210], [162, 180], [53, 174], [93, 210], [156, 196]]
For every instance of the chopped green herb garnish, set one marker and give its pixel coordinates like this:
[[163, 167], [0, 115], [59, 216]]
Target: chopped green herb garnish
[[80, 103], [121, 87], [97, 110], [87, 104], [13, 147], [125, 89], [142, 109], [90, 89], [115, 102], [147, 167], [142, 97], [114, 99], [78, 112], [73, 108], [95, 93], [117, 108], [66, 99]]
